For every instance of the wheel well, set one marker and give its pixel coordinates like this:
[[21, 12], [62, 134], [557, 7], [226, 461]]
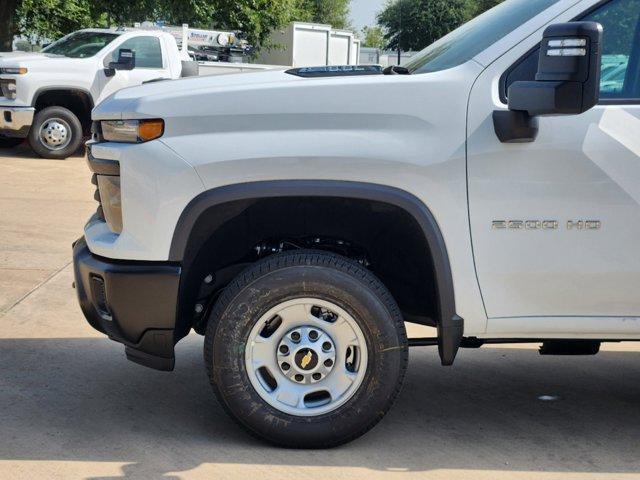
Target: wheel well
[[78, 101], [385, 237]]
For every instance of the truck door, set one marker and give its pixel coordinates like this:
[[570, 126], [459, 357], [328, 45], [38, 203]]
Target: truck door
[[556, 222], [150, 65]]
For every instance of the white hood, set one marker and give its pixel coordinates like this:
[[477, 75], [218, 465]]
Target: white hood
[[19, 57], [134, 102]]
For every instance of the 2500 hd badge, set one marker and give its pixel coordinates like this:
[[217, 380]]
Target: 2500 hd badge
[[545, 225]]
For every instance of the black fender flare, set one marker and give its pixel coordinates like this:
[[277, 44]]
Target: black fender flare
[[450, 325], [50, 88]]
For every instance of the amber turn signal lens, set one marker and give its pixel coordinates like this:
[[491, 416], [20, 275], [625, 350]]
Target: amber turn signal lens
[[150, 129]]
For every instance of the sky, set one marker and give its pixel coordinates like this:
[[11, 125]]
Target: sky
[[363, 12]]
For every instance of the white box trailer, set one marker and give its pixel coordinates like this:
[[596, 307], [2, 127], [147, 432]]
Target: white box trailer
[[302, 44], [340, 47], [357, 47]]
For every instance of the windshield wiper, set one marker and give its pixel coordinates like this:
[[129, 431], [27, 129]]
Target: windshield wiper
[[396, 70]]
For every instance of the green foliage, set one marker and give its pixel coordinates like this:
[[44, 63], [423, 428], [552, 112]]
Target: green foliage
[[414, 24], [256, 18], [373, 37], [116, 13], [52, 19], [479, 6], [331, 12]]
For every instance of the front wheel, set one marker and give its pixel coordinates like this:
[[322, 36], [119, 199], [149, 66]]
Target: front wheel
[[56, 133], [306, 349]]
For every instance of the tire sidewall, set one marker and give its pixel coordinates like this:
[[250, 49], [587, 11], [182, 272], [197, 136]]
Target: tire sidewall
[[76, 132], [386, 345]]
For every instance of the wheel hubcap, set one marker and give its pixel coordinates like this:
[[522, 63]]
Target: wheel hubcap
[[55, 134], [306, 357]]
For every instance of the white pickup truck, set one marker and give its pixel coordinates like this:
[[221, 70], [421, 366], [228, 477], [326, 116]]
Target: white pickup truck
[[47, 97], [299, 223]]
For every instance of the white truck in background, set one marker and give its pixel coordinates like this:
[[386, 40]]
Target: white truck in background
[[47, 97]]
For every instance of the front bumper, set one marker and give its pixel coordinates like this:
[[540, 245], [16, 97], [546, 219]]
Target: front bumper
[[134, 303], [16, 122]]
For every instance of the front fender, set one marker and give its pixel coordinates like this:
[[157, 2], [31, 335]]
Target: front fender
[[450, 325]]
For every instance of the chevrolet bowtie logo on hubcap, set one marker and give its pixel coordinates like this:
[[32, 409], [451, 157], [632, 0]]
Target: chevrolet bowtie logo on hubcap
[[306, 359]]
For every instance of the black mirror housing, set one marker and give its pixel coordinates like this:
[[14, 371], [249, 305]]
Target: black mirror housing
[[567, 82], [126, 60], [568, 78], [571, 52], [547, 98]]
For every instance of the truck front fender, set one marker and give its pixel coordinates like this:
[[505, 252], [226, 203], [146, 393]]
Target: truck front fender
[[450, 325]]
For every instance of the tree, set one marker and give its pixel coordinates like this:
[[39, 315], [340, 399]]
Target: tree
[[54, 18], [373, 37], [51, 19], [331, 12], [255, 18], [414, 24], [115, 13], [480, 6], [8, 27]]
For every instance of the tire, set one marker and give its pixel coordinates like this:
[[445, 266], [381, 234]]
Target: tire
[[356, 303], [62, 140], [8, 142]]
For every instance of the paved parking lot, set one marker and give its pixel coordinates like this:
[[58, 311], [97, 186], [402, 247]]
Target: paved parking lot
[[71, 406]]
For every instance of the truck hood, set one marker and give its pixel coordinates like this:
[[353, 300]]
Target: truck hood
[[25, 57], [19, 56], [134, 102], [43, 62]]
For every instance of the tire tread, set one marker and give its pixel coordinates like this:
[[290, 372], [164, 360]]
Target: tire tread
[[308, 258]]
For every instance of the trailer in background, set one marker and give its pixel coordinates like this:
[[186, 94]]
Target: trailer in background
[[303, 44]]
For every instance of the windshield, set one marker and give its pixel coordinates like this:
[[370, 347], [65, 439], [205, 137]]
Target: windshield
[[473, 37], [81, 44]]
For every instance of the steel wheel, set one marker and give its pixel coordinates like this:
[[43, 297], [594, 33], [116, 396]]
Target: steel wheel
[[55, 134], [306, 357], [306, 349]]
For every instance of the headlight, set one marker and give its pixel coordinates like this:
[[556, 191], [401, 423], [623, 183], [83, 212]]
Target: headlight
[[13, 70], [8, 88], [132, 131]]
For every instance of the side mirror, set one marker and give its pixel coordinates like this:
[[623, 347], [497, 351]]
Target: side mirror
[[567, 82], [126, 61]]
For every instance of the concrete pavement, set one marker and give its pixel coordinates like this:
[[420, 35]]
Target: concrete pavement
[[43, 206], [71, 406]]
